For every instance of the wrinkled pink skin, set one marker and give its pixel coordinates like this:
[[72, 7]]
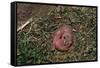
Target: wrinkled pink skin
[[63, 38]]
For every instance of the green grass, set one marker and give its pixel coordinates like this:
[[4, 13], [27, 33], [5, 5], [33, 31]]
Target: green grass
[[34, 42]]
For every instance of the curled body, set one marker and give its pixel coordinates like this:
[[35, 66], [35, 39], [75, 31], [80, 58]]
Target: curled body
[[63, 38]]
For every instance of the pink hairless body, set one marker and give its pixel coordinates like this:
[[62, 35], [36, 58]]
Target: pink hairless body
[[63, 38]]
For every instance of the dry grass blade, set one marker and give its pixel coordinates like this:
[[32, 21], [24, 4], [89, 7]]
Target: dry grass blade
[[21, 27]]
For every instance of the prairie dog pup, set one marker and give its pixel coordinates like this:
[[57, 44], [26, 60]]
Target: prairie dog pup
[[63, 38]]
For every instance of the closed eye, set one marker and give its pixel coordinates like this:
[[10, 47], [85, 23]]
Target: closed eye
[[64, 37], [60, 37]]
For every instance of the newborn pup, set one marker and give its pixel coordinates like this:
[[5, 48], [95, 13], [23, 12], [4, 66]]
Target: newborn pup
[[63, 38]]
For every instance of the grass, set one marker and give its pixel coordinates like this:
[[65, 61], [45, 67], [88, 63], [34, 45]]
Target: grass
[[34, 42]]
